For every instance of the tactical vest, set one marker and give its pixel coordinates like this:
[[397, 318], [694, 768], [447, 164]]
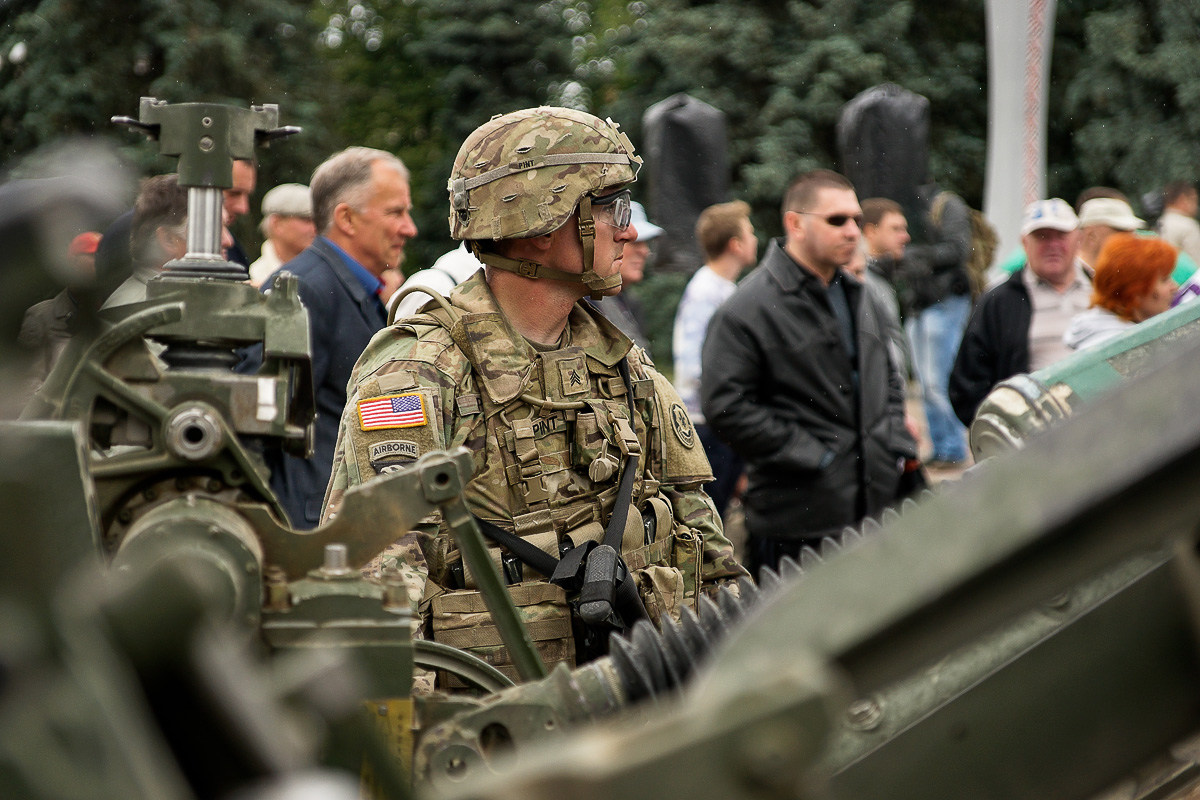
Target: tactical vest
[[558, 433]]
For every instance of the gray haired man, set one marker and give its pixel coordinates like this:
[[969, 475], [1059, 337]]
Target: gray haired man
[[361, 205]]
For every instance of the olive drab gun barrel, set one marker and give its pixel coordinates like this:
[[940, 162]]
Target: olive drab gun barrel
[[1029, 632], [1025, 405], [206, 138]]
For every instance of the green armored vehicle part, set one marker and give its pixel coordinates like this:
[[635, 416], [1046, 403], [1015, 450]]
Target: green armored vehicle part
[[159, 432], [1025, 405]]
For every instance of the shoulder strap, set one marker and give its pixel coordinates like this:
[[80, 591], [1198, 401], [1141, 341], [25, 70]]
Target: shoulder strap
[[434, 293], [616, 522]]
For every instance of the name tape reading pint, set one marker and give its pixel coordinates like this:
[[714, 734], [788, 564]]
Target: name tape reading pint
[[392, 411]]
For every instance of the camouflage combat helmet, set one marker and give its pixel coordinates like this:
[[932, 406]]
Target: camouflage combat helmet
[[523, 174]]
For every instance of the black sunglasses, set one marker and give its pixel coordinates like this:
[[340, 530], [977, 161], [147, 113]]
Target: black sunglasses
[[837, 220]]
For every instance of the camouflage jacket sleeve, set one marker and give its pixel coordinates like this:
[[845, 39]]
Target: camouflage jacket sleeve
[[695, 509], [400, 406], [683, 468]]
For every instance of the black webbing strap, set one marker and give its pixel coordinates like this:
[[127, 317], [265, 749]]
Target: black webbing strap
[[532, 555], [615, 531]]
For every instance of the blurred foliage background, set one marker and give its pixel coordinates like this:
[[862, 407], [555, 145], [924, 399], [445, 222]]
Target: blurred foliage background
[[415, 76]]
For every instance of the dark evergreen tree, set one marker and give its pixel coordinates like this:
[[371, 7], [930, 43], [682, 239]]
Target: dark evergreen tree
[[1132, 103], [68, 66], [420, 75], [782, 72]]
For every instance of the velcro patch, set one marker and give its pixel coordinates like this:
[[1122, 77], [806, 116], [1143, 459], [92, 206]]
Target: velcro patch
[[681, 423], [573, 374], [393, 448], [467, 404], [544, 426], [392, 411]]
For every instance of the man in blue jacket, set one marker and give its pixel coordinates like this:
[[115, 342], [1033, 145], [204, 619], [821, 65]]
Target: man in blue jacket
[[362, 209]]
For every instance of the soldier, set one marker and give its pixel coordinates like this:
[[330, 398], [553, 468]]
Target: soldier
[[540, 387]]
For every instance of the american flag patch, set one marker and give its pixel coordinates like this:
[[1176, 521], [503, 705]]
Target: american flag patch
[[393, 411]]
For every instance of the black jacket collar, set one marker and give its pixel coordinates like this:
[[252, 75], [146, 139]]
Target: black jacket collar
[[792, 277]]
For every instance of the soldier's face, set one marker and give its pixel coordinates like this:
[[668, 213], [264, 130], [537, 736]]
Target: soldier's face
[[384, 224], [609, 248]]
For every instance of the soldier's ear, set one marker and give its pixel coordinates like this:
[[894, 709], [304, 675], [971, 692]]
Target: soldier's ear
[[546, 240]]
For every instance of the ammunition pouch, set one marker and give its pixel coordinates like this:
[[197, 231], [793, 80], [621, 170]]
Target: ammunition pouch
[[461, 619]]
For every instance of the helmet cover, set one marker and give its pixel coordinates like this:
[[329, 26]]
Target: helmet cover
[[523, 174]]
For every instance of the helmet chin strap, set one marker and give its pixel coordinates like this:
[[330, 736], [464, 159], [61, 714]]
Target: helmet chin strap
[[587, 235], [597, 285]]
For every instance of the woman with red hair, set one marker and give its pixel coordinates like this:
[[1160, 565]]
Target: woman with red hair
[[1132, 283]]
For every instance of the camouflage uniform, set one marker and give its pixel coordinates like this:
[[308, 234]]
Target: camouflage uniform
[[534, 467], [549, 428]]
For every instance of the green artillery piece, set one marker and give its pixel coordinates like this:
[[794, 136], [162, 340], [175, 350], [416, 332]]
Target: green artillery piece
[[1024, 405], [171, 436], [1029, 632], [134, 683], [171, 427]]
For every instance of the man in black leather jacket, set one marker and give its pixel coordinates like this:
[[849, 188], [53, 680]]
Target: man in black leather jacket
[[797, 379]]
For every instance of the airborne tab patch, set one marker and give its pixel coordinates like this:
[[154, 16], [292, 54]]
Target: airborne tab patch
[[393, 449], [392, 411]]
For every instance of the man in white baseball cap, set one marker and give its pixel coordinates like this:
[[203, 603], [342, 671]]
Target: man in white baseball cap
[[1018, 325], [1100, 218]]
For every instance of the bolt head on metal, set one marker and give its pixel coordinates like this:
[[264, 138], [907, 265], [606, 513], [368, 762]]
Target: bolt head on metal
[[864, 714], [336, 559]]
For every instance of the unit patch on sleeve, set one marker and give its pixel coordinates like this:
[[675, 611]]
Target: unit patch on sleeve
[[682, 425], [392, 411]]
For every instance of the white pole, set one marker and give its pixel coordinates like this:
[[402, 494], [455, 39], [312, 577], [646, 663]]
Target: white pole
[[1020, 34]]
